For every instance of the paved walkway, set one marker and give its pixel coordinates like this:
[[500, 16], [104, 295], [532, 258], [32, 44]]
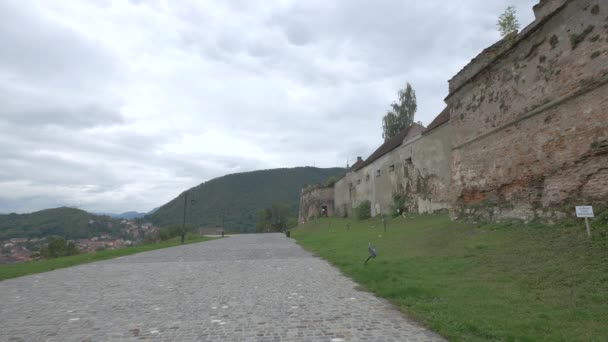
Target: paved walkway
[[243, 288]]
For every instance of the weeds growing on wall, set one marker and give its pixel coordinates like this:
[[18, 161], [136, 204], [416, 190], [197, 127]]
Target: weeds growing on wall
[[399, 205], [364, 210]]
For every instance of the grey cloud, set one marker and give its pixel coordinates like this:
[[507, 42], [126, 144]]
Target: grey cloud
[[103, 167], [297, 32], [394, 36], [86, 116], [32, 48], [48, 168], [84, 144], [27, 204]]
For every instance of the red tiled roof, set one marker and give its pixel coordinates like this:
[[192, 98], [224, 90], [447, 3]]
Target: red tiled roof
[[356, 165], [442, 118], [388, 145]]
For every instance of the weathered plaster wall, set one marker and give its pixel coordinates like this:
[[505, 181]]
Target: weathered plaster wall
[[431, 158], [312, 200], [380, 180], [367, 184], [343, 202], [418, 170], [530, 129]]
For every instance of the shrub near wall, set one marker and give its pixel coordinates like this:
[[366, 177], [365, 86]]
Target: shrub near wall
[[364, 210], [399, 204]]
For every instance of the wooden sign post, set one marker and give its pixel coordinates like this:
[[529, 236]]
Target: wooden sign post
[[585, 211]]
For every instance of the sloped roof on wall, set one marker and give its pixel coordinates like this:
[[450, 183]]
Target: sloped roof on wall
[[439, 120], [389, 145], [356, 165]]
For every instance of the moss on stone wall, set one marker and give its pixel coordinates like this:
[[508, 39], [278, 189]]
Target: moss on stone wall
[[576, 39]]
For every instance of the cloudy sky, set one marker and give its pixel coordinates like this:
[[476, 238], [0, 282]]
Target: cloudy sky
[[120, 105]]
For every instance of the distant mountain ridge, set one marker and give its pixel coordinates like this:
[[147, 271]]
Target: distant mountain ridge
[[126, 215], [130, 215], [69, 223], [238, 197]]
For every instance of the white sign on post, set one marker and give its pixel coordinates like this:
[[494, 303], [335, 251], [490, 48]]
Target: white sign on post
[[584, 211]]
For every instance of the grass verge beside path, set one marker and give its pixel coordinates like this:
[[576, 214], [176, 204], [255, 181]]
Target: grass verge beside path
[[500, 282], [33, 267]]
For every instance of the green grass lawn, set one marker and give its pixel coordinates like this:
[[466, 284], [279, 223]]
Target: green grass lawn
[[32, 267], [502, 282]]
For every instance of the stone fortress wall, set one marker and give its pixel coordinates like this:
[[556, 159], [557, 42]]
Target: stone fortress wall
[[524, 134], [530, 125], [316, 201]]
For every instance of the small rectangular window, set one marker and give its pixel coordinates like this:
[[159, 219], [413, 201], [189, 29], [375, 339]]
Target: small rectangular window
[[358, 181], [367, 177], [378, 173], [391, 168]]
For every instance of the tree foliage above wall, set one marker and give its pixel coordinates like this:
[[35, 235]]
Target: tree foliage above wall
[[401, 114], [507, 22]]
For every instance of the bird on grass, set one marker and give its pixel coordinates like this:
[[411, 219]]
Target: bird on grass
[[372, 252]]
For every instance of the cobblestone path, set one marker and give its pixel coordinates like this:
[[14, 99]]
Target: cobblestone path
[[242, 288]]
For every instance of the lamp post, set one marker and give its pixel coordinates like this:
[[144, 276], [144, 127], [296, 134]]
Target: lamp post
[[224, 212], [384, 222], [183, 236]]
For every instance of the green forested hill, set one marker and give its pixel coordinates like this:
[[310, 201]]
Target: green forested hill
[[69, 223], [239, 196]]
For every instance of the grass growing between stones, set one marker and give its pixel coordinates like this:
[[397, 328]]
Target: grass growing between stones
[[33, 267], [504, 282]]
